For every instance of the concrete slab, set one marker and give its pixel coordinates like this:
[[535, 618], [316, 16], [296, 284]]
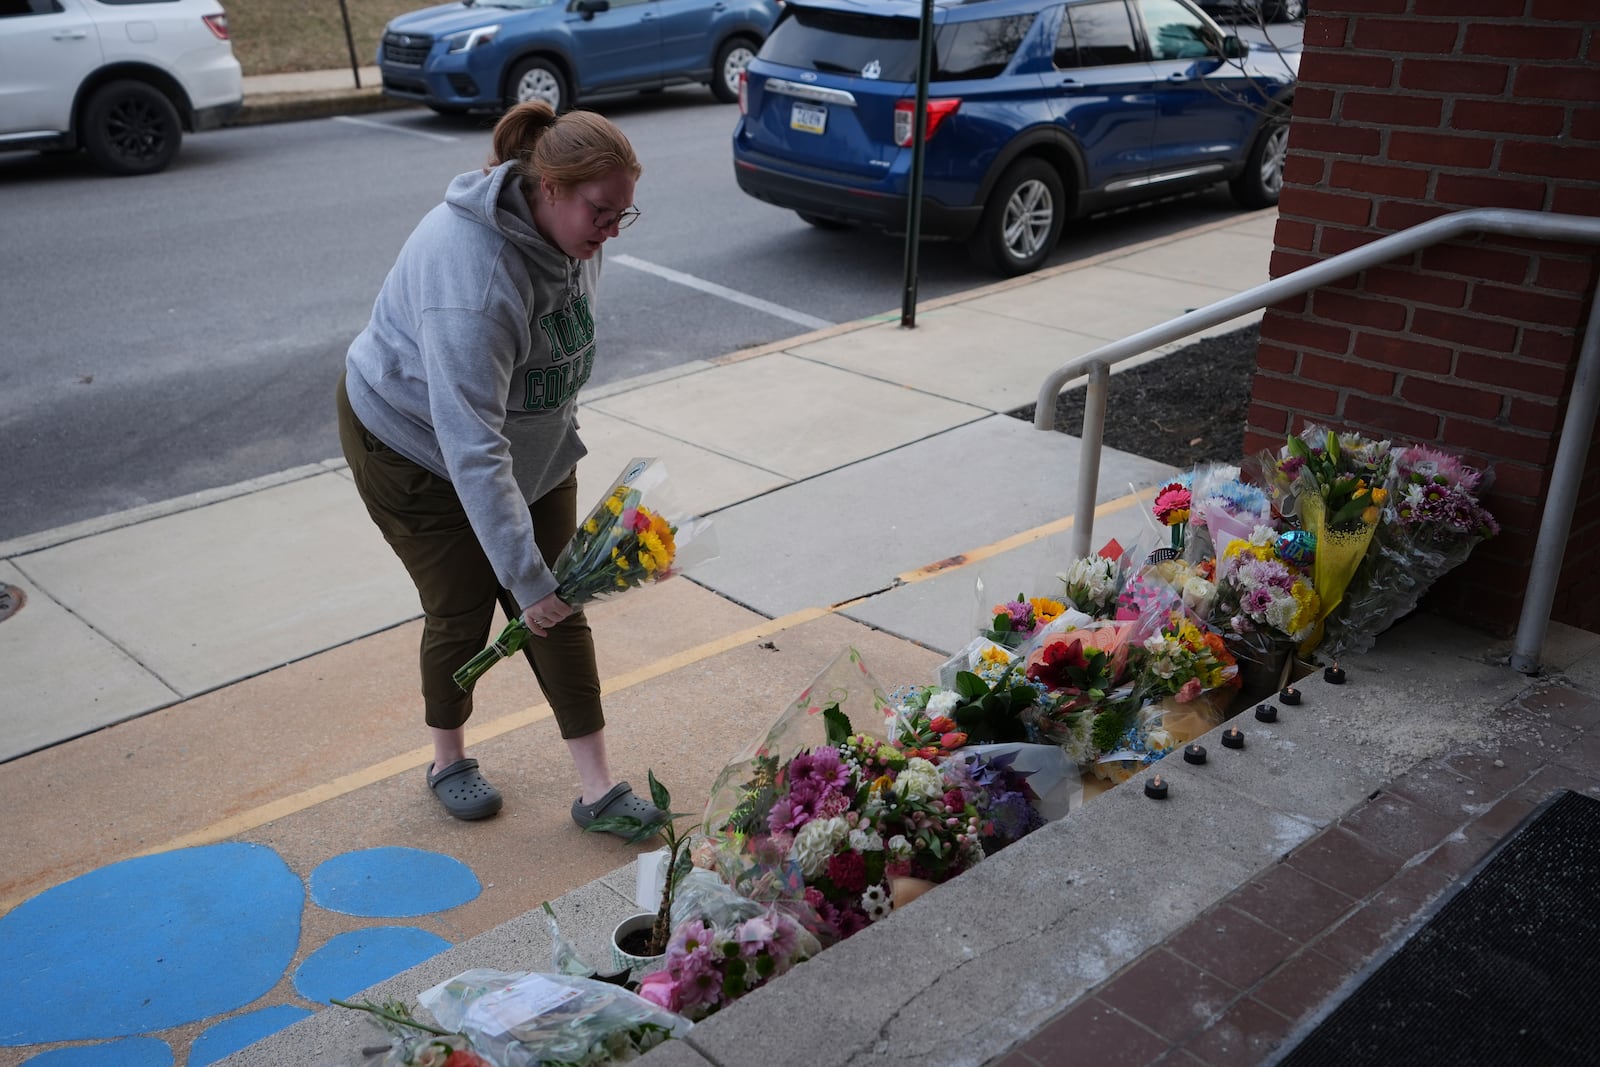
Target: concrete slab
[[701, 481], [1109, 302], [948, 494], [62, 677], [792, 417], [964, 352], [1219, 258], [301, 562]]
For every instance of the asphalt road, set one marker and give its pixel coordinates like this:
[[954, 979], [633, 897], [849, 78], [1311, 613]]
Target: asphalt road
[[170, 334]]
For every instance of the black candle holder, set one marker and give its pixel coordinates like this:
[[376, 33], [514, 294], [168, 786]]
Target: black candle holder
[[1156, 788], [1266, 713], [1290, 696], [1233, 737], [1194, 754], [1333, 675]]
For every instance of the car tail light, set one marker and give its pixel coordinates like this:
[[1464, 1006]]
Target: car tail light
[[744, 93], [905, 113], [218, 25]]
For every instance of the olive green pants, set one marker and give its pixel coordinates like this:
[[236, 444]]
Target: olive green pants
[[421, 517]]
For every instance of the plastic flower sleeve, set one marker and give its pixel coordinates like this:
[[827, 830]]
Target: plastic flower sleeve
[[523, 1020]]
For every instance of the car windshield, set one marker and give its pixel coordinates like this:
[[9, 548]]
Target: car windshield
[[873, 46]]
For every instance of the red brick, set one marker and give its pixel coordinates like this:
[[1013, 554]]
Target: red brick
[[1576, 201], [1404, 353], [1529, 120], [1277, 359], [1476, 190], [1478, 261], [1312, 103], [1339, 68], [1283, 262], [1332, 207], [1324, 337], [1467, 329], [1321, 31], [1540, 416], [1586, 125], [1577, 162], [1398, 215], [1295, 394], [1548, 346], [1518, 479], [1509, 41], [1388, 109], [1470, 8], [1377, 179], [1538, 82], [1335, 139], [1510, 373], [1364, 7], [1453, 76], [1527, 305], [1418, 286], [1435, 37], [1390, 418], [1305, 169], [1441, 150], [1273, 424], [1456, 399], [1358, 311], [1347, 375], [1565, 275], [1336, 239], [1562, 10], [1293, 234], [1496, 441]]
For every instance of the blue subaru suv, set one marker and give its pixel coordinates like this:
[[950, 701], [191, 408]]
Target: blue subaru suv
[[485, 55], [1038, 111]]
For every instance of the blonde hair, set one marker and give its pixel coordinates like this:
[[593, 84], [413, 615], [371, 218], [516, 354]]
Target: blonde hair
[[567, 150]]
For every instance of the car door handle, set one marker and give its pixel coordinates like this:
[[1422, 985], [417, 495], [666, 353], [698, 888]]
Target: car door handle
[[69, 35], [1177, 76]]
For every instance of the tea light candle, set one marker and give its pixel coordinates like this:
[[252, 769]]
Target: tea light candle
[[1233, 737], [1156, 788], [1194, 754], [1333, 675], [1266, 713], [1289, 696]]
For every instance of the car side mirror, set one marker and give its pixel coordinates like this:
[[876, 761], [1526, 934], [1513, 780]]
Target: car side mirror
[[589, 8], [1233, 47]]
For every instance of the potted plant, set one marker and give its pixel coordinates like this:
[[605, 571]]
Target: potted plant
[[645, 936]]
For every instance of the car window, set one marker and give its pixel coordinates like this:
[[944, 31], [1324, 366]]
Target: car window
[[1096, 35], [871, 46], [1175, 31], [9, 8]]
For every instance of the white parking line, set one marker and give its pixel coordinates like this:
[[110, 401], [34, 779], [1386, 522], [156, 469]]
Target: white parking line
[[387, 128], [799, 317]]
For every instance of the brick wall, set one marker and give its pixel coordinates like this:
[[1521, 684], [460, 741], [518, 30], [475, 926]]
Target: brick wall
[[1408, 109]]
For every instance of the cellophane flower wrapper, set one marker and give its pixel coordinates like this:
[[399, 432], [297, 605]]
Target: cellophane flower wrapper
[[1014, 621], [1432, 522], [1085, 674], [521, 1019], [634, 536], [1225, 508], [1091, 584]]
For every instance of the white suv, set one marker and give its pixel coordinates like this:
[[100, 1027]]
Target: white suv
[[121, 79]]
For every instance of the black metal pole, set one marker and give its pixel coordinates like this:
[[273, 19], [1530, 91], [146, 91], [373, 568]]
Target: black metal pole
[[919, 133], [350, 43]]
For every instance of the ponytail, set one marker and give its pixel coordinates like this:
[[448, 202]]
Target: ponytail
[[567, 150]]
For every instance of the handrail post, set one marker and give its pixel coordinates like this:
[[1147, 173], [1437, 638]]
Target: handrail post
[[1094, 432], [1562, 499]]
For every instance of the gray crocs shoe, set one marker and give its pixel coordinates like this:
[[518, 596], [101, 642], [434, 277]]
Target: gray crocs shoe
[[464, 792], [620, 800]]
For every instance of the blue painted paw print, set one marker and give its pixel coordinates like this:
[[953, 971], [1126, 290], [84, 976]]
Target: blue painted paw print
[[154, 942]]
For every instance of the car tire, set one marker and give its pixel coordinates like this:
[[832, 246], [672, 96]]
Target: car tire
[[822, 222], [1283, 10], [537, 79], [130, 127], [734, 55], [1261, 181], [1021, 221]]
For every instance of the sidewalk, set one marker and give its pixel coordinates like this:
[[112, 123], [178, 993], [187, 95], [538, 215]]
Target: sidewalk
[[226, 681]]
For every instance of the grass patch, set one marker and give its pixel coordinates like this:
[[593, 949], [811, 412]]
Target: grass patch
[[274, 36]]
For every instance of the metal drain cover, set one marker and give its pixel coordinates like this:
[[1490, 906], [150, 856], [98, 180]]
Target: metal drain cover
[[11, 601]]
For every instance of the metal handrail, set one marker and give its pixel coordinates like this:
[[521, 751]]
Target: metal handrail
[[1575, 432]]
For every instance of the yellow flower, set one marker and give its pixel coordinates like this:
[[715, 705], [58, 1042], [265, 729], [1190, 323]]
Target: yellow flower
[[995, 656], [614, 502], [1380, 495], [1370, 516], [879, 785], [619, 559], [591, 527], [1045, 609], [1309, 606]]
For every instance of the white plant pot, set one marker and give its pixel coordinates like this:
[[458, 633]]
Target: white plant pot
[[620, 960]]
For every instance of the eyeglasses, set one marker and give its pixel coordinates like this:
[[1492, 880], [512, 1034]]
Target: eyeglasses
[[604, 220]]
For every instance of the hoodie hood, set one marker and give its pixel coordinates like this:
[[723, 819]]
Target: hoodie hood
[[497, 199]]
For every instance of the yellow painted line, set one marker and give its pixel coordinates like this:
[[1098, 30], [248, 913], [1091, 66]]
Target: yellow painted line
[[1017, 540]]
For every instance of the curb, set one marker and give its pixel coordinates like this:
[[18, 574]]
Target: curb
[[290, 107]]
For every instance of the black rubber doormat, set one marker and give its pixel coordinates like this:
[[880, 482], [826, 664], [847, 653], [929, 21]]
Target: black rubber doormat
[[1505, 971]]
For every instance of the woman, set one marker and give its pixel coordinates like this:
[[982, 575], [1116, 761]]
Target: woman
[[456, 414]]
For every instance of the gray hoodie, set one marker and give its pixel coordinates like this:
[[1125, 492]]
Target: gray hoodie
[[480, 338]]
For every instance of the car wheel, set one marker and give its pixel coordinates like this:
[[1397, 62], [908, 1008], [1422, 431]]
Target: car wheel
[[1283, 10], [822, 222], [1022, 220], [537, 79], [734, 55], [130, 127], [1262, 179]]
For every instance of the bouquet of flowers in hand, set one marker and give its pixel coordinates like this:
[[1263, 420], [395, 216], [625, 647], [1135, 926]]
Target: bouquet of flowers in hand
[[1431, 523], [623, 544]]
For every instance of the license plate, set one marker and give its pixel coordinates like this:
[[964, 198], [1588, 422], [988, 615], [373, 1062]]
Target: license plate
[[812, 118]]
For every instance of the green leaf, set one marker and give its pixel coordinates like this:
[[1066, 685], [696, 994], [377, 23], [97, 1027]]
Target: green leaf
[[658, 793], [838, 724], [615, 824], [1298, 448], [1333, 446], [970, 687]]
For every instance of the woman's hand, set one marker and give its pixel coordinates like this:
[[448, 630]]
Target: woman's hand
[[545, 614]]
